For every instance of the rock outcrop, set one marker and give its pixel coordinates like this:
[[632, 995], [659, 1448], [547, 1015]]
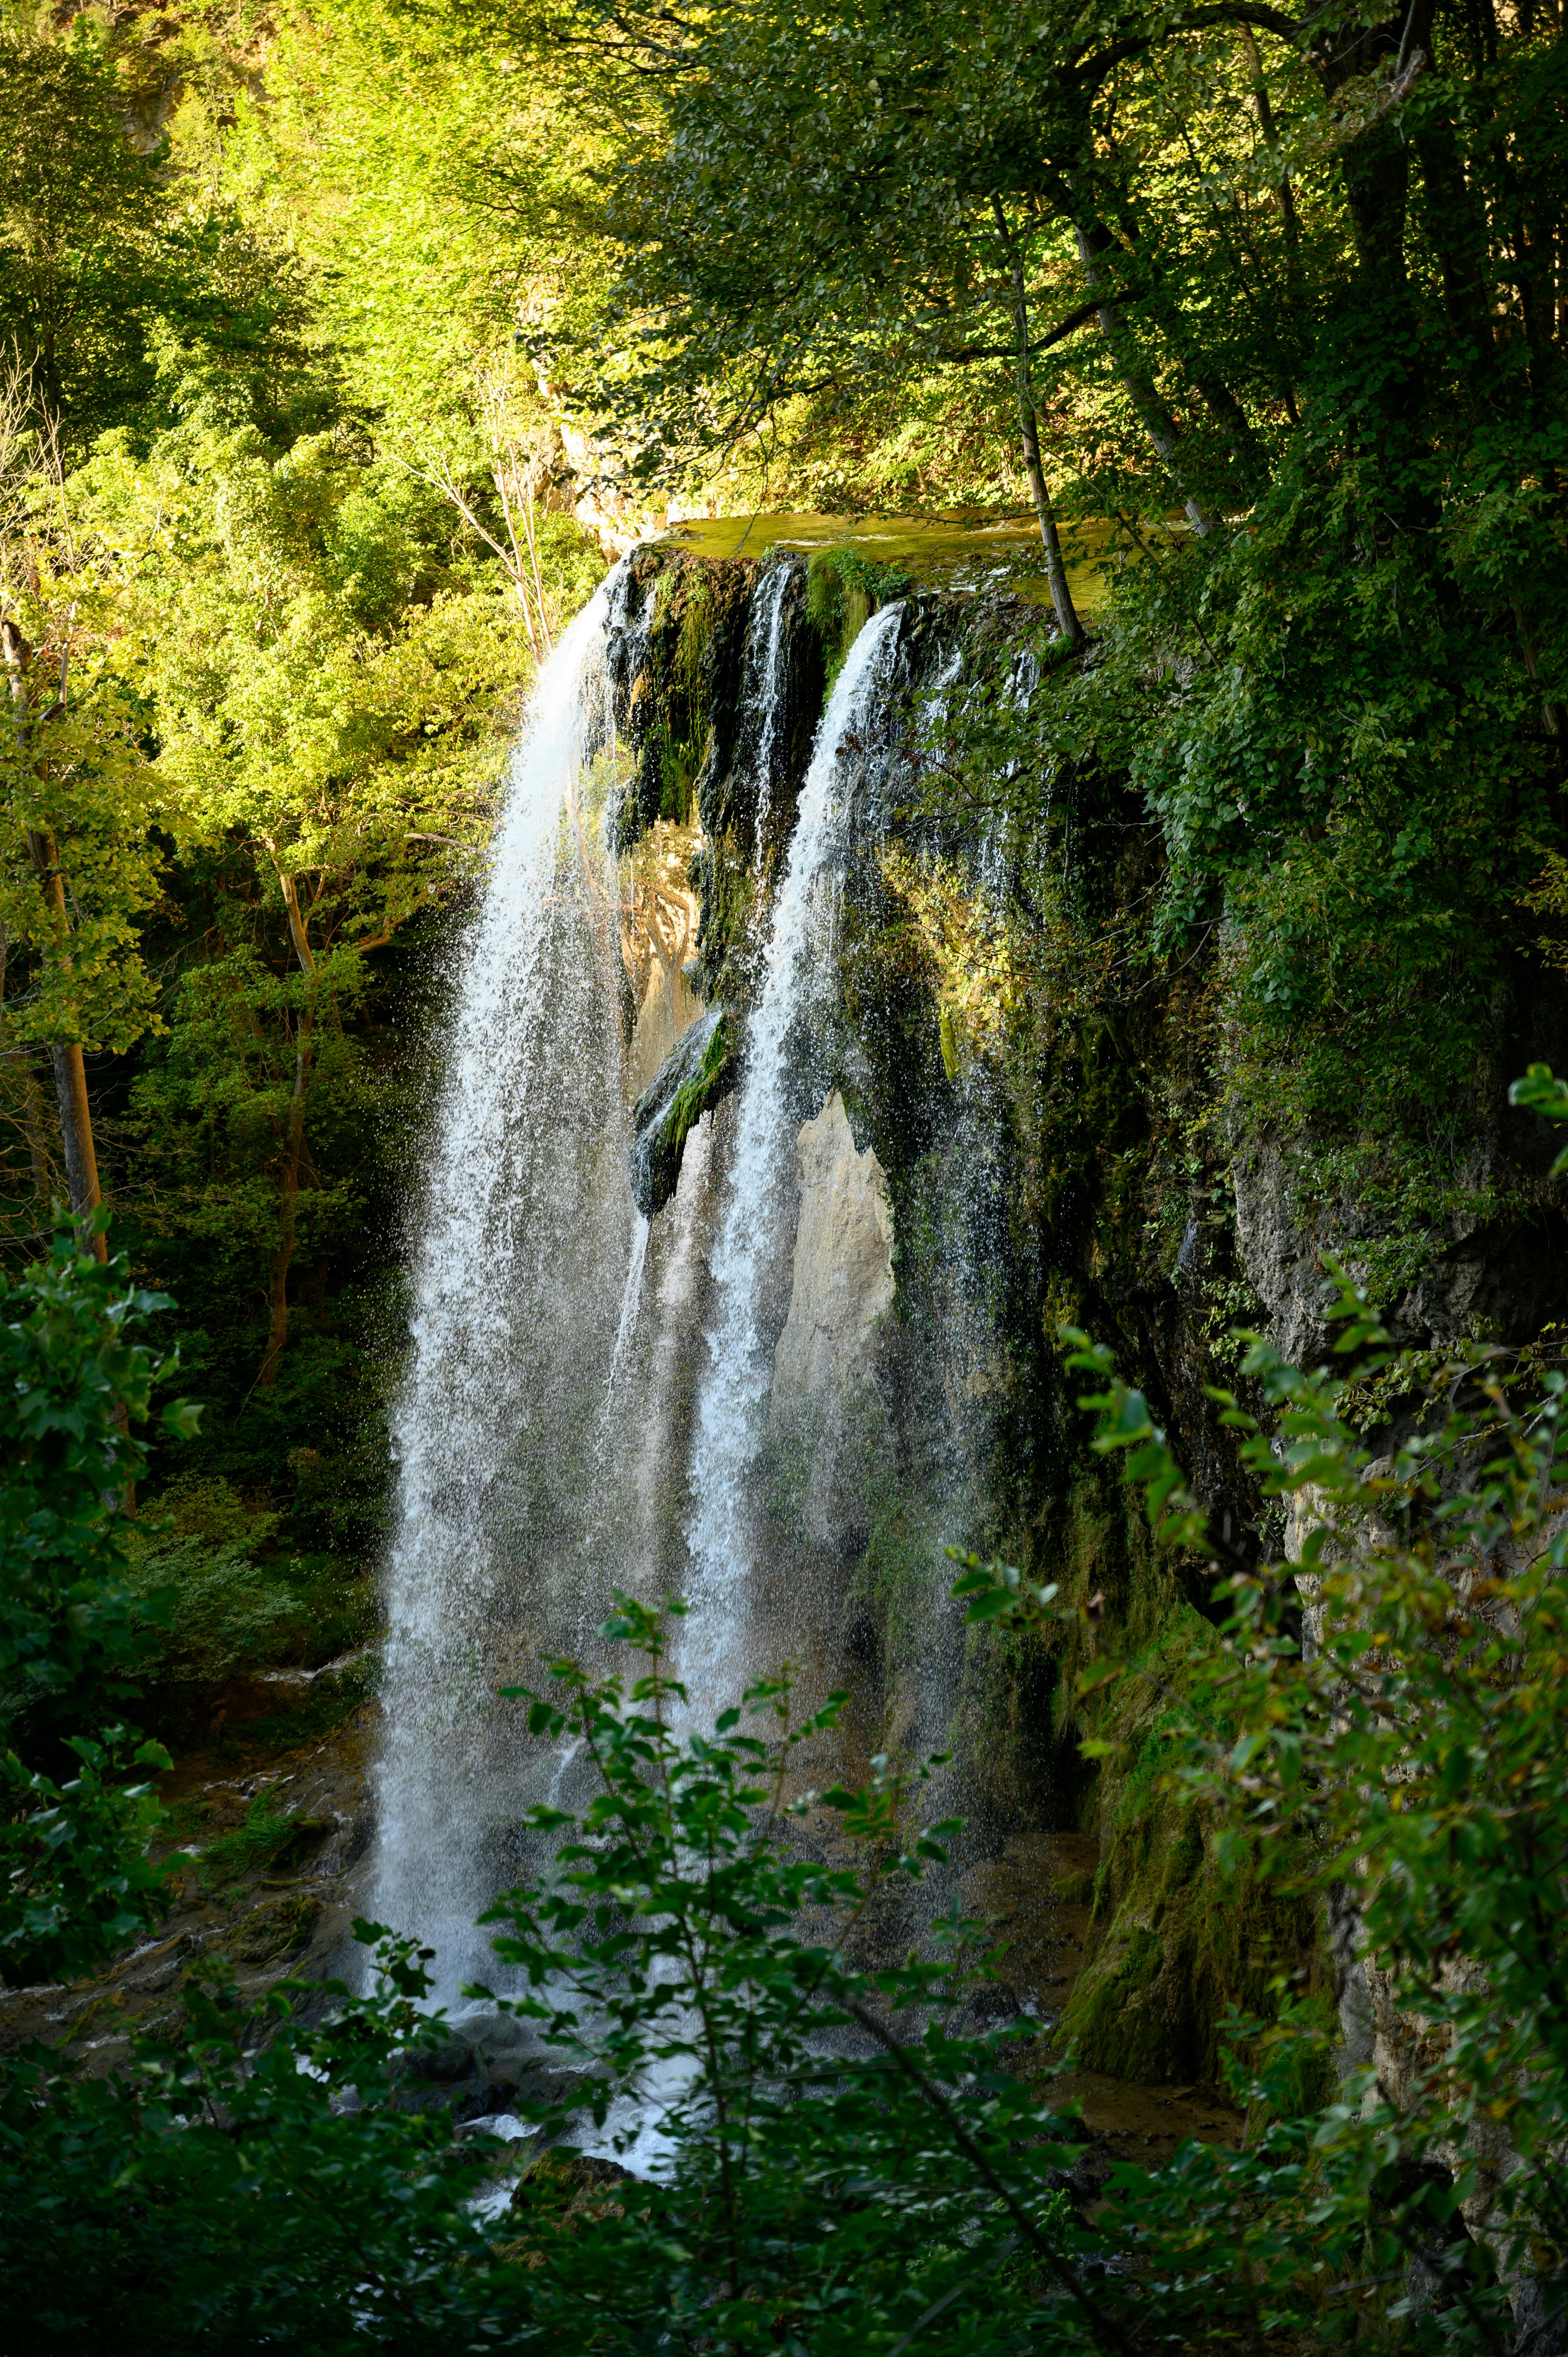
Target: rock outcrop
[[699, 1072], [827, 1410], [843, 1264], [659, 939]]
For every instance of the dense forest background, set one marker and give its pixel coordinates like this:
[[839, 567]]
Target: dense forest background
[[267, 390]]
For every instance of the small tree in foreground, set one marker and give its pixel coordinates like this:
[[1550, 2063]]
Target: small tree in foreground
[[76, 1805]]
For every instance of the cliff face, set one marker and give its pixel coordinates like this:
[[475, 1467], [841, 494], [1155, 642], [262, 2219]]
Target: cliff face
[[1014, 1115]]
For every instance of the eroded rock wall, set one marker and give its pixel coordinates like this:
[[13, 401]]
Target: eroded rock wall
[[1004, 1130]]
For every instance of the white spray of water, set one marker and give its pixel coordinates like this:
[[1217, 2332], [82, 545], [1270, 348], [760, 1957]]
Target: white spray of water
[[522, 1262], [631, 1297], [739, 1372]]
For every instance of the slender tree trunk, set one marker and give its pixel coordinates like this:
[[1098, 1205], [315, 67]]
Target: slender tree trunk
[[1029, 431], [293, 1136], [32, 1122], [71, 1075], [281, 1259], [1151, 411], [1375, 165], [69, 1072], [1455, 219], [1285, 197]]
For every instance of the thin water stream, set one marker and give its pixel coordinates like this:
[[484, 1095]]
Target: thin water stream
[[715, 1652]]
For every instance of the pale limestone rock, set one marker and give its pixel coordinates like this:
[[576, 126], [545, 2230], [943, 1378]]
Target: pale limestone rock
[[843, 1264], [669, 1009]]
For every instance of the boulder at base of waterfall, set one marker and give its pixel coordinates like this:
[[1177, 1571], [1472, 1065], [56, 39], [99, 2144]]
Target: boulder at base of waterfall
[[489, 2063], [560, 2192], [843, 1264], [701, 1068]]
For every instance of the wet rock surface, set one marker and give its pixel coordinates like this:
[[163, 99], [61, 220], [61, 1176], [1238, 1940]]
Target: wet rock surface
[[842, 1278], [269, 1895], [696, 1076], [1036, 1893], [484, 2066]]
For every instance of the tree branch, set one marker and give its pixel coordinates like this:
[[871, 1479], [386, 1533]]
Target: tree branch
[[1103, 2327]]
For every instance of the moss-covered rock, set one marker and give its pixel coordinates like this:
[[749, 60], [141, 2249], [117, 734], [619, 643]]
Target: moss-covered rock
[[1177, 1939], [699, 1072]]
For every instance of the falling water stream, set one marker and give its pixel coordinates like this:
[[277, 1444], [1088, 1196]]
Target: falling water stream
[[525, 1235], [739, 1371], [765, 686]]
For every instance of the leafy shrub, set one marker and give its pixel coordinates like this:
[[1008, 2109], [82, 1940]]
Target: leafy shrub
[[225, 1607], [842, 2163], [267, 1837], [76, 1809]]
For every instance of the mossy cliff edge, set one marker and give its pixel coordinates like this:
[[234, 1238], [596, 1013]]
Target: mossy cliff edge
[[1054, 1100]]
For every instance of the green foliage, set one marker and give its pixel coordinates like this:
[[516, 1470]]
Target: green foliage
[[1402, 1766], [843, 588], [77, 1880], [265, 1839], [269, 664], [1366, 782], [841, 2159], [230, 2176], [1539, 1092], [224, 1601], [79, 209]]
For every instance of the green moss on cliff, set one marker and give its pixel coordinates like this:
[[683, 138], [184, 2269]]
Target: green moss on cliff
[[682, 695], [1176, 1941], [843, 589], [1040, 1088], [713, 1079]]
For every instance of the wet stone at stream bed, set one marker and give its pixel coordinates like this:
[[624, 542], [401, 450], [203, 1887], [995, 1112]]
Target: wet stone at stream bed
[[484, 2065]]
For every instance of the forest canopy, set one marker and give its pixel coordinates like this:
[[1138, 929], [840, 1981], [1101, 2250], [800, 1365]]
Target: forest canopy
[[343, 344]]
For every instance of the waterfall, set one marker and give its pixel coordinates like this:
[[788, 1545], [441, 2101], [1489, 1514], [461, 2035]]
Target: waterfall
[[631, 1296], [553, 1436], [739, 1369], [524, 1286], [765, 686]]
